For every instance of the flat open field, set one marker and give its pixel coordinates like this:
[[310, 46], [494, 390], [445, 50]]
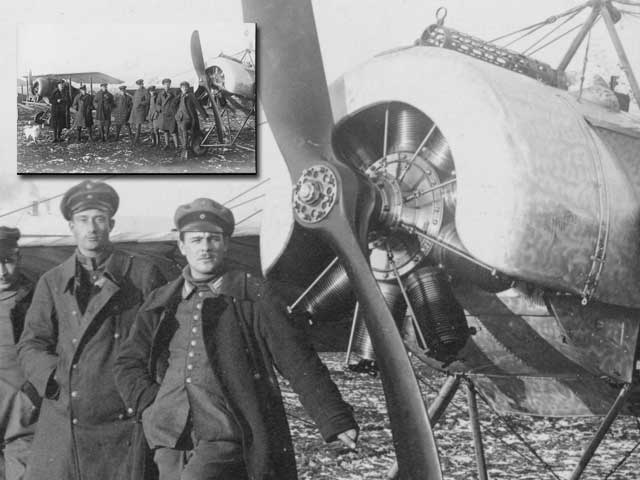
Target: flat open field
[[559, 442], [113, 156]]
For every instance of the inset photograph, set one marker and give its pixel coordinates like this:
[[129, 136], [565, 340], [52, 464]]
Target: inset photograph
[[125, 99]]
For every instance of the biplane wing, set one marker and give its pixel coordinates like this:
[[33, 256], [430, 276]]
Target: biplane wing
[[82, 77]]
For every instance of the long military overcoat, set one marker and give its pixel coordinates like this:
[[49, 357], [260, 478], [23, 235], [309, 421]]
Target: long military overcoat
[[167, 106], [83, 105], [60, 116], [103, 103], [122, 108], [19, 401], [248, 333], [141, 100], [84, 428], [154, 115]]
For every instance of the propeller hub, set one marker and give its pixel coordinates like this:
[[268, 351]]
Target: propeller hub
[[310, 192], [314, 194]]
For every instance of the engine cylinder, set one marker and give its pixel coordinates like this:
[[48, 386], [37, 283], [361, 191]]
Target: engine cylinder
[[331, 295], [438, 153], [440, 317], [407, 127], [361, 341]]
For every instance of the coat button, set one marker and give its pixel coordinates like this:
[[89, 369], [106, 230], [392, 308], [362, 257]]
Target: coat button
[[120, 416], [74, 394], [74, 366], [74, 340], [189, 367], [191, 354], [188, 380], [74, 421], [116, 335], [256, 376], [193, 343], [130, 411], [194, 330]]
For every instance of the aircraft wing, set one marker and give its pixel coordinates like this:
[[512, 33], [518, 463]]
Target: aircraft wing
[[84, 77]]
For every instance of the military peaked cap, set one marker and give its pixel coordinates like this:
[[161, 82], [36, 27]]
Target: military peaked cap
[[122, 87], [8, 238], [204, 215], [104, 85], [166, 80], [186, 84], [152, 88], [83, 87], [139, 81], [89, 194]]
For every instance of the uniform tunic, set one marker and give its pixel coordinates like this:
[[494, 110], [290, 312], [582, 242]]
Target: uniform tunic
[[245, 331], [68, 351], [190, 389]]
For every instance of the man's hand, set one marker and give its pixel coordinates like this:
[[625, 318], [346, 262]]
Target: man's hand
[[349, 438]]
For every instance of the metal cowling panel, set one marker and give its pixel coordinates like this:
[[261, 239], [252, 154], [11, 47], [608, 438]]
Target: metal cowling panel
[[539, 196]]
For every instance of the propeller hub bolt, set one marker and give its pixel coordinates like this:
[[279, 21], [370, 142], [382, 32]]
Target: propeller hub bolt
[[309, 192]]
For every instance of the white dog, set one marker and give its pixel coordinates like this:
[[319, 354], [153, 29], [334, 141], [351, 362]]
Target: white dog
[[32, 132]]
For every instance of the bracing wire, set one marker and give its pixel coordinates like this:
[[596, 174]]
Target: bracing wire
[[555, 39], [532, 28], [497, 436], [550, 32]]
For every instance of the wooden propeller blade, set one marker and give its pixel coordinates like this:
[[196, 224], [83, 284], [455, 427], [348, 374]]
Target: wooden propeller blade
[[296, 101]]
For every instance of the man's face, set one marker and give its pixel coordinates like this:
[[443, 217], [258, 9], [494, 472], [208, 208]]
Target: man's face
[[166, 86], [103, 88], [9, 268], [205, 252], [60, 86], [183, 88], [91, 230]]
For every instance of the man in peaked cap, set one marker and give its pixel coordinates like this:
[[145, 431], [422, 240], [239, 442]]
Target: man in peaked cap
[[82, 106], [19, 401], [122, 105], [60, 118], [81, 312], [166, 106], [103, 104], [187, 119], [198, 366], [140, 109]]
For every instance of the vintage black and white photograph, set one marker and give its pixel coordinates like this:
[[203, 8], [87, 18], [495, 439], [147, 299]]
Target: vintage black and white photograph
[[136, 98], [433, 275]]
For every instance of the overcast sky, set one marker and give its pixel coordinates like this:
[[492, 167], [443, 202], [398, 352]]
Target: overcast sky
[[350, 32], [126, 51]]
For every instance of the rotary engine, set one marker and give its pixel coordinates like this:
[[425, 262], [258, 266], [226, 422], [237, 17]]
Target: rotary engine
[[414, 249]]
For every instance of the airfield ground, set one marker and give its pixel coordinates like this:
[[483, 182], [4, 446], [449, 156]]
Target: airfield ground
[[558, 441], [113, 157]]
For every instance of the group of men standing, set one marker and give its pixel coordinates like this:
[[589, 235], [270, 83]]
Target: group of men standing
[[142, 379], [168, 113]]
